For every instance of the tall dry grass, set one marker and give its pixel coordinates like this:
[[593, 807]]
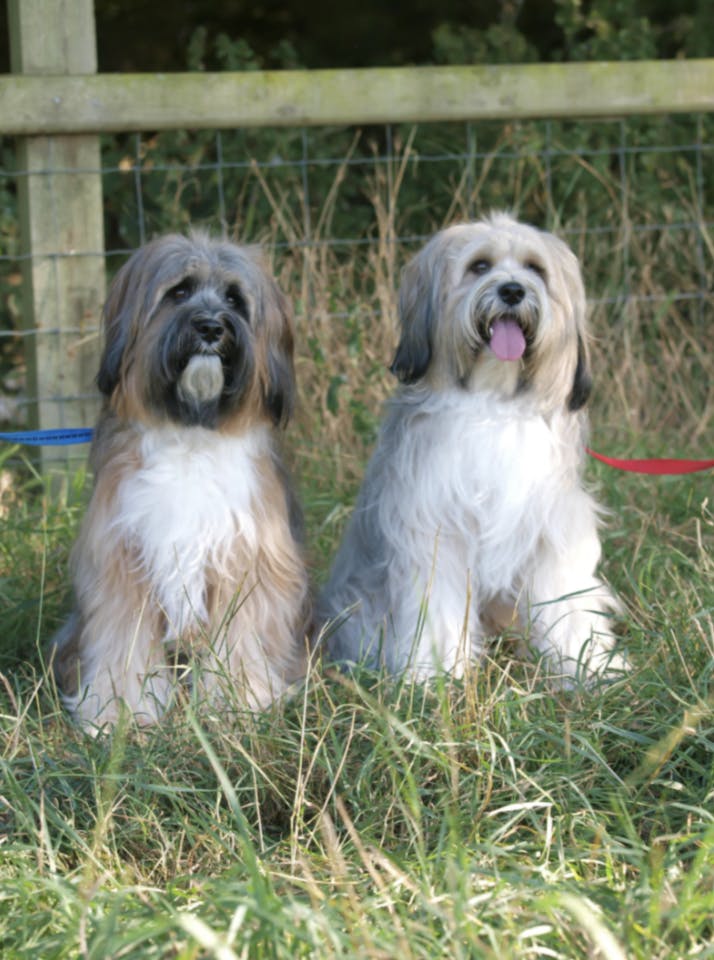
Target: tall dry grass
[[648, 270]]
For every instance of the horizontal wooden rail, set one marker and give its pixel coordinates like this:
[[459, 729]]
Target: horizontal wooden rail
[[115, 102]]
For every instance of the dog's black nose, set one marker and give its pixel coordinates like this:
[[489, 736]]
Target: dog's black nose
[[511, 293], [209, 329]]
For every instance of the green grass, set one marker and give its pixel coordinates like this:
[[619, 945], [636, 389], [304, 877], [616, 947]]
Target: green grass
[[489, 817]]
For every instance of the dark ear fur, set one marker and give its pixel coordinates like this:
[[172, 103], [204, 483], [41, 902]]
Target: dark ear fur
[[413, 354], [279, 390], [279, 395], [117, 323], [110, 366], [412, 357], [582, 381]]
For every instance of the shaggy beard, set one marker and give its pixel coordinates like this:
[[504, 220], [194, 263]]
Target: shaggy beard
[[197, 387]]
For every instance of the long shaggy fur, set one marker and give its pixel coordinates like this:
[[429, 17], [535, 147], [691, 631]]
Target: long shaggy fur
[[472, 516], [190, 549]]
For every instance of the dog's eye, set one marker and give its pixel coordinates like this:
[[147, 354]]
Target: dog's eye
[[182, 291], [235, 300], [479, 267], [536, 268]]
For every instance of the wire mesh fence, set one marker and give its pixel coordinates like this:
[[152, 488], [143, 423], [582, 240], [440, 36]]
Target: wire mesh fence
[[339, 210]]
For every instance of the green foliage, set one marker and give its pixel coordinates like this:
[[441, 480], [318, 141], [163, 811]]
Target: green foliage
[[223, 53], [605, 30], [135, 36], [499, 43]]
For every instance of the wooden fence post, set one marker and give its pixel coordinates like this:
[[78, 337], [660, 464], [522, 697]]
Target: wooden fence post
[[61, 221]]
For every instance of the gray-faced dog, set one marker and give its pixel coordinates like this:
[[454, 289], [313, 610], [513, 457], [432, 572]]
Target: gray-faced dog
[[190, 542]]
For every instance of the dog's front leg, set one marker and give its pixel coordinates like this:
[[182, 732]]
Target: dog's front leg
[[568, 613]]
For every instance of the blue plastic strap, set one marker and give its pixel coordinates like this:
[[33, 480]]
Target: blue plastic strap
[[50, 438]]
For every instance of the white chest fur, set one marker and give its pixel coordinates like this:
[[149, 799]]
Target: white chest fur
[[193, 494], [482, 474]]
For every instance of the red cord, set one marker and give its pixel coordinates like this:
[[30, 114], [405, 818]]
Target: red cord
[[663, 466]]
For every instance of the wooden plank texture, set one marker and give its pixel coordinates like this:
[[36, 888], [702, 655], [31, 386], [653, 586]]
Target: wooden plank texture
[[62, 230], [125, 102]]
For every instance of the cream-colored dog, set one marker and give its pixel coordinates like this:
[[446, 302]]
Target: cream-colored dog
[[472, 516], [190, 547]]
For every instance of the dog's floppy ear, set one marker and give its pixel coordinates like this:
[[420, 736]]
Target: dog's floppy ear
[[582, 381], [574, 303], [279, 380], [416, 319], [117, 324]]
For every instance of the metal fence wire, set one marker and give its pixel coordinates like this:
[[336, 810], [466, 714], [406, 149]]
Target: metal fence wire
[[339, 210]]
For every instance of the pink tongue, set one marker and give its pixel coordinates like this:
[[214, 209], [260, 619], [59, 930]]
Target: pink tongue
[[507, 340]]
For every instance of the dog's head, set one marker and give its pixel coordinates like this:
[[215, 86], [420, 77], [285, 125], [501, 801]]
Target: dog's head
[[197, 333], [495, 305]]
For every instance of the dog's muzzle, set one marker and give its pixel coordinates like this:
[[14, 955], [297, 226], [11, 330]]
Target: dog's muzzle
[[206, 356]]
